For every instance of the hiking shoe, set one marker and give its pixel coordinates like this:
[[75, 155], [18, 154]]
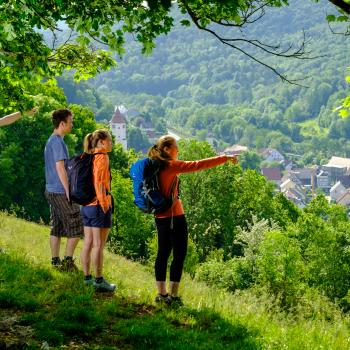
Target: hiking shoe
[[160, 298], [68, 265], [89, 282], [104, 286], [176, 301], [56, 263]]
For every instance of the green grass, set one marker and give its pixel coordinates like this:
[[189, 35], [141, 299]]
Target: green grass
[[64, 313], [311, 128]]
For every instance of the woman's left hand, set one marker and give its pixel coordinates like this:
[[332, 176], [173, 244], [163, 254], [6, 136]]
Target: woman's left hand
[[32, 111]]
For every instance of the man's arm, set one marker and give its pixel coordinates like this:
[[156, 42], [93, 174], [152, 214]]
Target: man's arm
[[62, 174], [11, 118]]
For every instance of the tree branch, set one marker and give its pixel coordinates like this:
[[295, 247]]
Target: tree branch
[[347, 33], [345, 6], [276, 50]]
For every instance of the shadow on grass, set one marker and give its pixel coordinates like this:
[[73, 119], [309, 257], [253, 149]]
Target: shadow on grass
[[61, 309]]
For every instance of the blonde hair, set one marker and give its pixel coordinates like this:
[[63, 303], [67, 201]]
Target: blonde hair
[[156, 152], [91, 140]]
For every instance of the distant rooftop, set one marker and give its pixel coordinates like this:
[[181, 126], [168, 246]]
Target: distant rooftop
[[118, 117], [236, 149], [273, 174], [339, 162]]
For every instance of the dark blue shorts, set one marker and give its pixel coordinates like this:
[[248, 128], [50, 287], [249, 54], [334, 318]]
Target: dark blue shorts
[[93, 216]]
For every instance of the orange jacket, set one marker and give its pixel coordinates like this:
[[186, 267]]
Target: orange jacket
[[102, 180], [176, 167]]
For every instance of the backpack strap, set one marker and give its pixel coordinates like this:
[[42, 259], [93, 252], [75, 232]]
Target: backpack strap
[[110, 180], [174, 184]]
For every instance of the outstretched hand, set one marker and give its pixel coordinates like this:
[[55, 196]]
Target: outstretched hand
[[233, 159], [11, 118], [32, 111]]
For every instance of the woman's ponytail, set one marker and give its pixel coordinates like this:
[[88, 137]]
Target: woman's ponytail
[[88, 143], [91, 140], [157, 152], [153, 152]]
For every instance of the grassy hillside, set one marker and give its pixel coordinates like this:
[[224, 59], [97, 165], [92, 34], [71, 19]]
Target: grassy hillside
[[48, 309]]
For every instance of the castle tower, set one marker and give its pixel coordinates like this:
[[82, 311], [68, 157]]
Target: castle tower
[[118, 126]]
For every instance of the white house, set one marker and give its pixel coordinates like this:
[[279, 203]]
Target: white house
[[235, 149], [272, 155], [287, 185], [322, 180], [337, 191], [337, 167], [118, 126], [344, 199], [340, 161]]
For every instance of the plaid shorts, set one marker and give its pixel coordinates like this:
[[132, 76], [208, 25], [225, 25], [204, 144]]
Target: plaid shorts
[[65, 217]]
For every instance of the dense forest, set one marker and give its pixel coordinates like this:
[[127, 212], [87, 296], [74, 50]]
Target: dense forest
[[197, 84]]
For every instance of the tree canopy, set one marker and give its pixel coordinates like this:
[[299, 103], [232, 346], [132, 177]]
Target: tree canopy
[[31, 46]]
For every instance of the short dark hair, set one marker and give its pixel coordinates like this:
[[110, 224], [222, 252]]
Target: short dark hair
[[60, 115]]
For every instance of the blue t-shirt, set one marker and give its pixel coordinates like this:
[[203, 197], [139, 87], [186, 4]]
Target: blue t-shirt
[[55, 150]]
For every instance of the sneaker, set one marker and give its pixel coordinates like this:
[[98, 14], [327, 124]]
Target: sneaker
[[162, 299], [68, 265], [104, 286], [176, 301], [89, 282], [56, 263]]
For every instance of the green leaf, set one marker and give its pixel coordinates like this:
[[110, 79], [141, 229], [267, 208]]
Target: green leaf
[[330, 18], [83, 40], [185, 23], [342, 18], [9, 31], [343, 113]]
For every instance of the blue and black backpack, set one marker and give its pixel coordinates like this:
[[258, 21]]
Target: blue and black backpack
[[144, 174]]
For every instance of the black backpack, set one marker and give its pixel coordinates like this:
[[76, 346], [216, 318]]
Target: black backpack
[[80, 178]]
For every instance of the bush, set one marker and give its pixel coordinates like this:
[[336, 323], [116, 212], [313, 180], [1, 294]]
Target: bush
[[131, 228], [230, 275], [323, 235], [281, 268]]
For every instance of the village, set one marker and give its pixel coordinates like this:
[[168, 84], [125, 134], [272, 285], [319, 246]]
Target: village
[[299, 185]]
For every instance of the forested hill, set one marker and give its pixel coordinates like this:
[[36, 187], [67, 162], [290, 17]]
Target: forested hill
[[201, 85]]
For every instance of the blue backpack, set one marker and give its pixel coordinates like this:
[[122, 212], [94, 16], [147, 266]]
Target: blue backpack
[[144, 174]]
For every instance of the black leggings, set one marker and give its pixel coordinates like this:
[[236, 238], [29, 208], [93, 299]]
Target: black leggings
[[171, 239]]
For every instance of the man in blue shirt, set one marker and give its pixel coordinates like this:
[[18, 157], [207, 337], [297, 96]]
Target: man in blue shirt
[[65, 216]]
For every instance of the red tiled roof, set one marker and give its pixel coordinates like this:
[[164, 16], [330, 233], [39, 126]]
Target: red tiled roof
[[118, 118], [273, 174]]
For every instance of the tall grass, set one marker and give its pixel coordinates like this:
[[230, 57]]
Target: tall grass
[[62, 311]]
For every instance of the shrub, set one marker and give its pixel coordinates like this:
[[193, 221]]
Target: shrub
[[231, 274], [281, 268], [131, 228]]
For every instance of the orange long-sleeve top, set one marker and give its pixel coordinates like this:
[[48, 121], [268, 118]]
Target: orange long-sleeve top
[[176, 167], [102, 180]]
